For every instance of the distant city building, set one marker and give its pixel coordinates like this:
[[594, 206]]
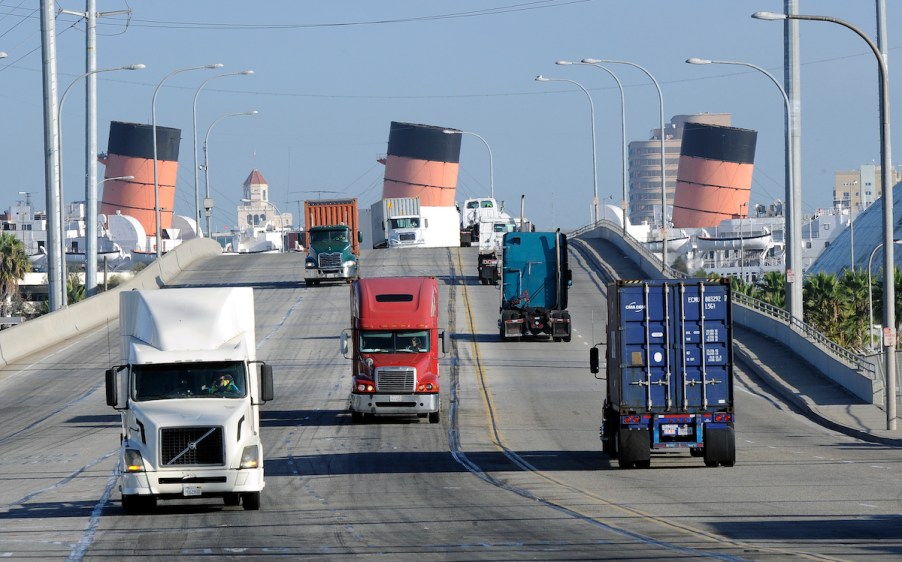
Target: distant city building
[[857, 189], [645, 166]]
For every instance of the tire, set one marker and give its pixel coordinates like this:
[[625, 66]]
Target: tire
[[231, 500], [435, 417], [251, 501], [566, 338], [356, 417]]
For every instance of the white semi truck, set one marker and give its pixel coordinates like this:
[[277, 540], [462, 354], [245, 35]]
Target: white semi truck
[[189, 390]]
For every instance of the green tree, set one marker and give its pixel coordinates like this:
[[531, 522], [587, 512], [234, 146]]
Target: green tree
[[75, 289], [14, 264], [854, 291], [822, 303], [773, 288]]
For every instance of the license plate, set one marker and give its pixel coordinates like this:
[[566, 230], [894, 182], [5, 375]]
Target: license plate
[[672, 429], [191, 491], [395, 398]]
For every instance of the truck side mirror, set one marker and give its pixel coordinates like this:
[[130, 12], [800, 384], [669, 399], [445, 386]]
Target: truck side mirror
[[359, 236], [425, 223], [266, 387], [116, 386], [343, 344], [569, 278], [112, 389], [593, 360], [444, 337]]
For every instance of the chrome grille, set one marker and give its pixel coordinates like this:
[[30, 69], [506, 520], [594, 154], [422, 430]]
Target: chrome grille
[[327, 261], [181, 446], [396, 379]]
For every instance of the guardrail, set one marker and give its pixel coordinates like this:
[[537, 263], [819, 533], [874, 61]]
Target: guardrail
[[810, 332], [865, 367]]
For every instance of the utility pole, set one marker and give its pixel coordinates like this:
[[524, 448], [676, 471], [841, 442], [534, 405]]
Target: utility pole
[[55, 278], [90, 14]]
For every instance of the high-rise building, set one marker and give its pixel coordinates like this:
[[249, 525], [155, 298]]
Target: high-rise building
[[858, 189], [645, 166]]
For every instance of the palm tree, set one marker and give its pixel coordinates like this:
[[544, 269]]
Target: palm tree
[[821, 300], [14, 264], [773, 289], [854, 291]]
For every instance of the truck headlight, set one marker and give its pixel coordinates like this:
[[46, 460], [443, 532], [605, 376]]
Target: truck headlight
[[310, 264], [350, 263], [250, 457], [133, 461]]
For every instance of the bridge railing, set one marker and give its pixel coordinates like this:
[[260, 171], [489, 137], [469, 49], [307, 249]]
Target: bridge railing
[[866, 368]]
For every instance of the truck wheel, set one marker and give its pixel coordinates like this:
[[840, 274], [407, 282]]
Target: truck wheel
[[566, 338], [435, 417], [251, 501], [231, 500], [356, 417]]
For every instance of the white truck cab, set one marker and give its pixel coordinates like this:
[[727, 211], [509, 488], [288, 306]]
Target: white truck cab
[[189, 391]]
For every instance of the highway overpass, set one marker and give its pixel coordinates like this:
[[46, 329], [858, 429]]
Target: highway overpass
[[513, 471]]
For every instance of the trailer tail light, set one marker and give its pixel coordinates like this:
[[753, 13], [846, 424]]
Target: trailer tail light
[[723, 417], [630, 420]]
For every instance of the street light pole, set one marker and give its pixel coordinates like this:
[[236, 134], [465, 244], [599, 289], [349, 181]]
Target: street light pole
[[156, 181], [889, 297], [209, 212], [793, 229], [623, 150], [489, 148], [194, 122], [663, 161], [541, 78], [59, 187]]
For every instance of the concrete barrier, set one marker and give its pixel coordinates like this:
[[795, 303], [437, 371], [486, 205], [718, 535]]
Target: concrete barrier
[[50, 329]]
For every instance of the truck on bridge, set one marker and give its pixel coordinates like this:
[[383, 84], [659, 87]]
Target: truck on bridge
[[333, 240], [534, 284], [189, 391], [394, 344], [669, 371]]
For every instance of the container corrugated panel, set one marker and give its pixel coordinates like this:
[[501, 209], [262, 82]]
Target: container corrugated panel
[[401, 207], [670, 346], [327, 212]]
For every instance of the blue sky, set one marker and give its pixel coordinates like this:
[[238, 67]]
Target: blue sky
[[331, 76]]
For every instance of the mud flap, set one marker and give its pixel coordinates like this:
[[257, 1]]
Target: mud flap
[[633, 448], [720, 446]]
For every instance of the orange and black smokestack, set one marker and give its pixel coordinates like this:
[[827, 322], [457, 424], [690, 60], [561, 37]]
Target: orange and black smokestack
[[714, 181], [130, 153], [423, 162]]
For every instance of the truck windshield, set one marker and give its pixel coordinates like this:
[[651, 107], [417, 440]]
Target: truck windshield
[[407, 222], [401, 341], [188, 380], [320, 236]]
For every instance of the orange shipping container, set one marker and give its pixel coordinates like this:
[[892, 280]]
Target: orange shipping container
[[328, 212]]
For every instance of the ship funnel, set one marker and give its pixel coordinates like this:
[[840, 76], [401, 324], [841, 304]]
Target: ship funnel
[[714, 180], [130, 153], [422, 161]]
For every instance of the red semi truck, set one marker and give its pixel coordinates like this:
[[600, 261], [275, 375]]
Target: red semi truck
[[394, 344]]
